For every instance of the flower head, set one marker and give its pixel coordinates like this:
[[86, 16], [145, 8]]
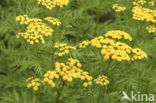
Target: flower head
[[63, 49], [151, 29], [36, 30], [50, 4], [118, 8], [112, 48], [34, 83], [53, 21], [101, 80]]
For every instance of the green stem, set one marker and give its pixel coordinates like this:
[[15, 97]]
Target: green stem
[[139, 27], [93, 96], [37, 49], [60, 92], [53, 52], [98, 99], [66, 98], [39, 96]]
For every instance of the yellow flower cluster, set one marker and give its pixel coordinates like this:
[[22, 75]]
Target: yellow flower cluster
[[151, 29], [53, 21], [118, 8], [152, 3], [101, 80], [35, 83], [109, 48], [116, 50], [50, 4], [118, 34], [144, 14], [141, 13], [63, 48], [139, 2], [99, 41], [36, 30], [25, 20], [49, 77], [84, 44], [138, 54], [68, 71]]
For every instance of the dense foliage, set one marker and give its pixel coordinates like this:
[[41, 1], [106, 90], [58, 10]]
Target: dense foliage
[[76, 51]]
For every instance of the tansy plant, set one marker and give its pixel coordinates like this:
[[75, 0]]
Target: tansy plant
[[36, 30], [142, 12], [113, 46], [66, 72]]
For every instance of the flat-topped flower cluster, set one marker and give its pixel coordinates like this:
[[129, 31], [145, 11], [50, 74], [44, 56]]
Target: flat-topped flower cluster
[[141, 13], [112, 48], [36, 29], [67, 72], [50, 4], [63, 49], [118, 8]]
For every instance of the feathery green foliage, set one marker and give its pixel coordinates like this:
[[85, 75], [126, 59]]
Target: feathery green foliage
[[86, 19]]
